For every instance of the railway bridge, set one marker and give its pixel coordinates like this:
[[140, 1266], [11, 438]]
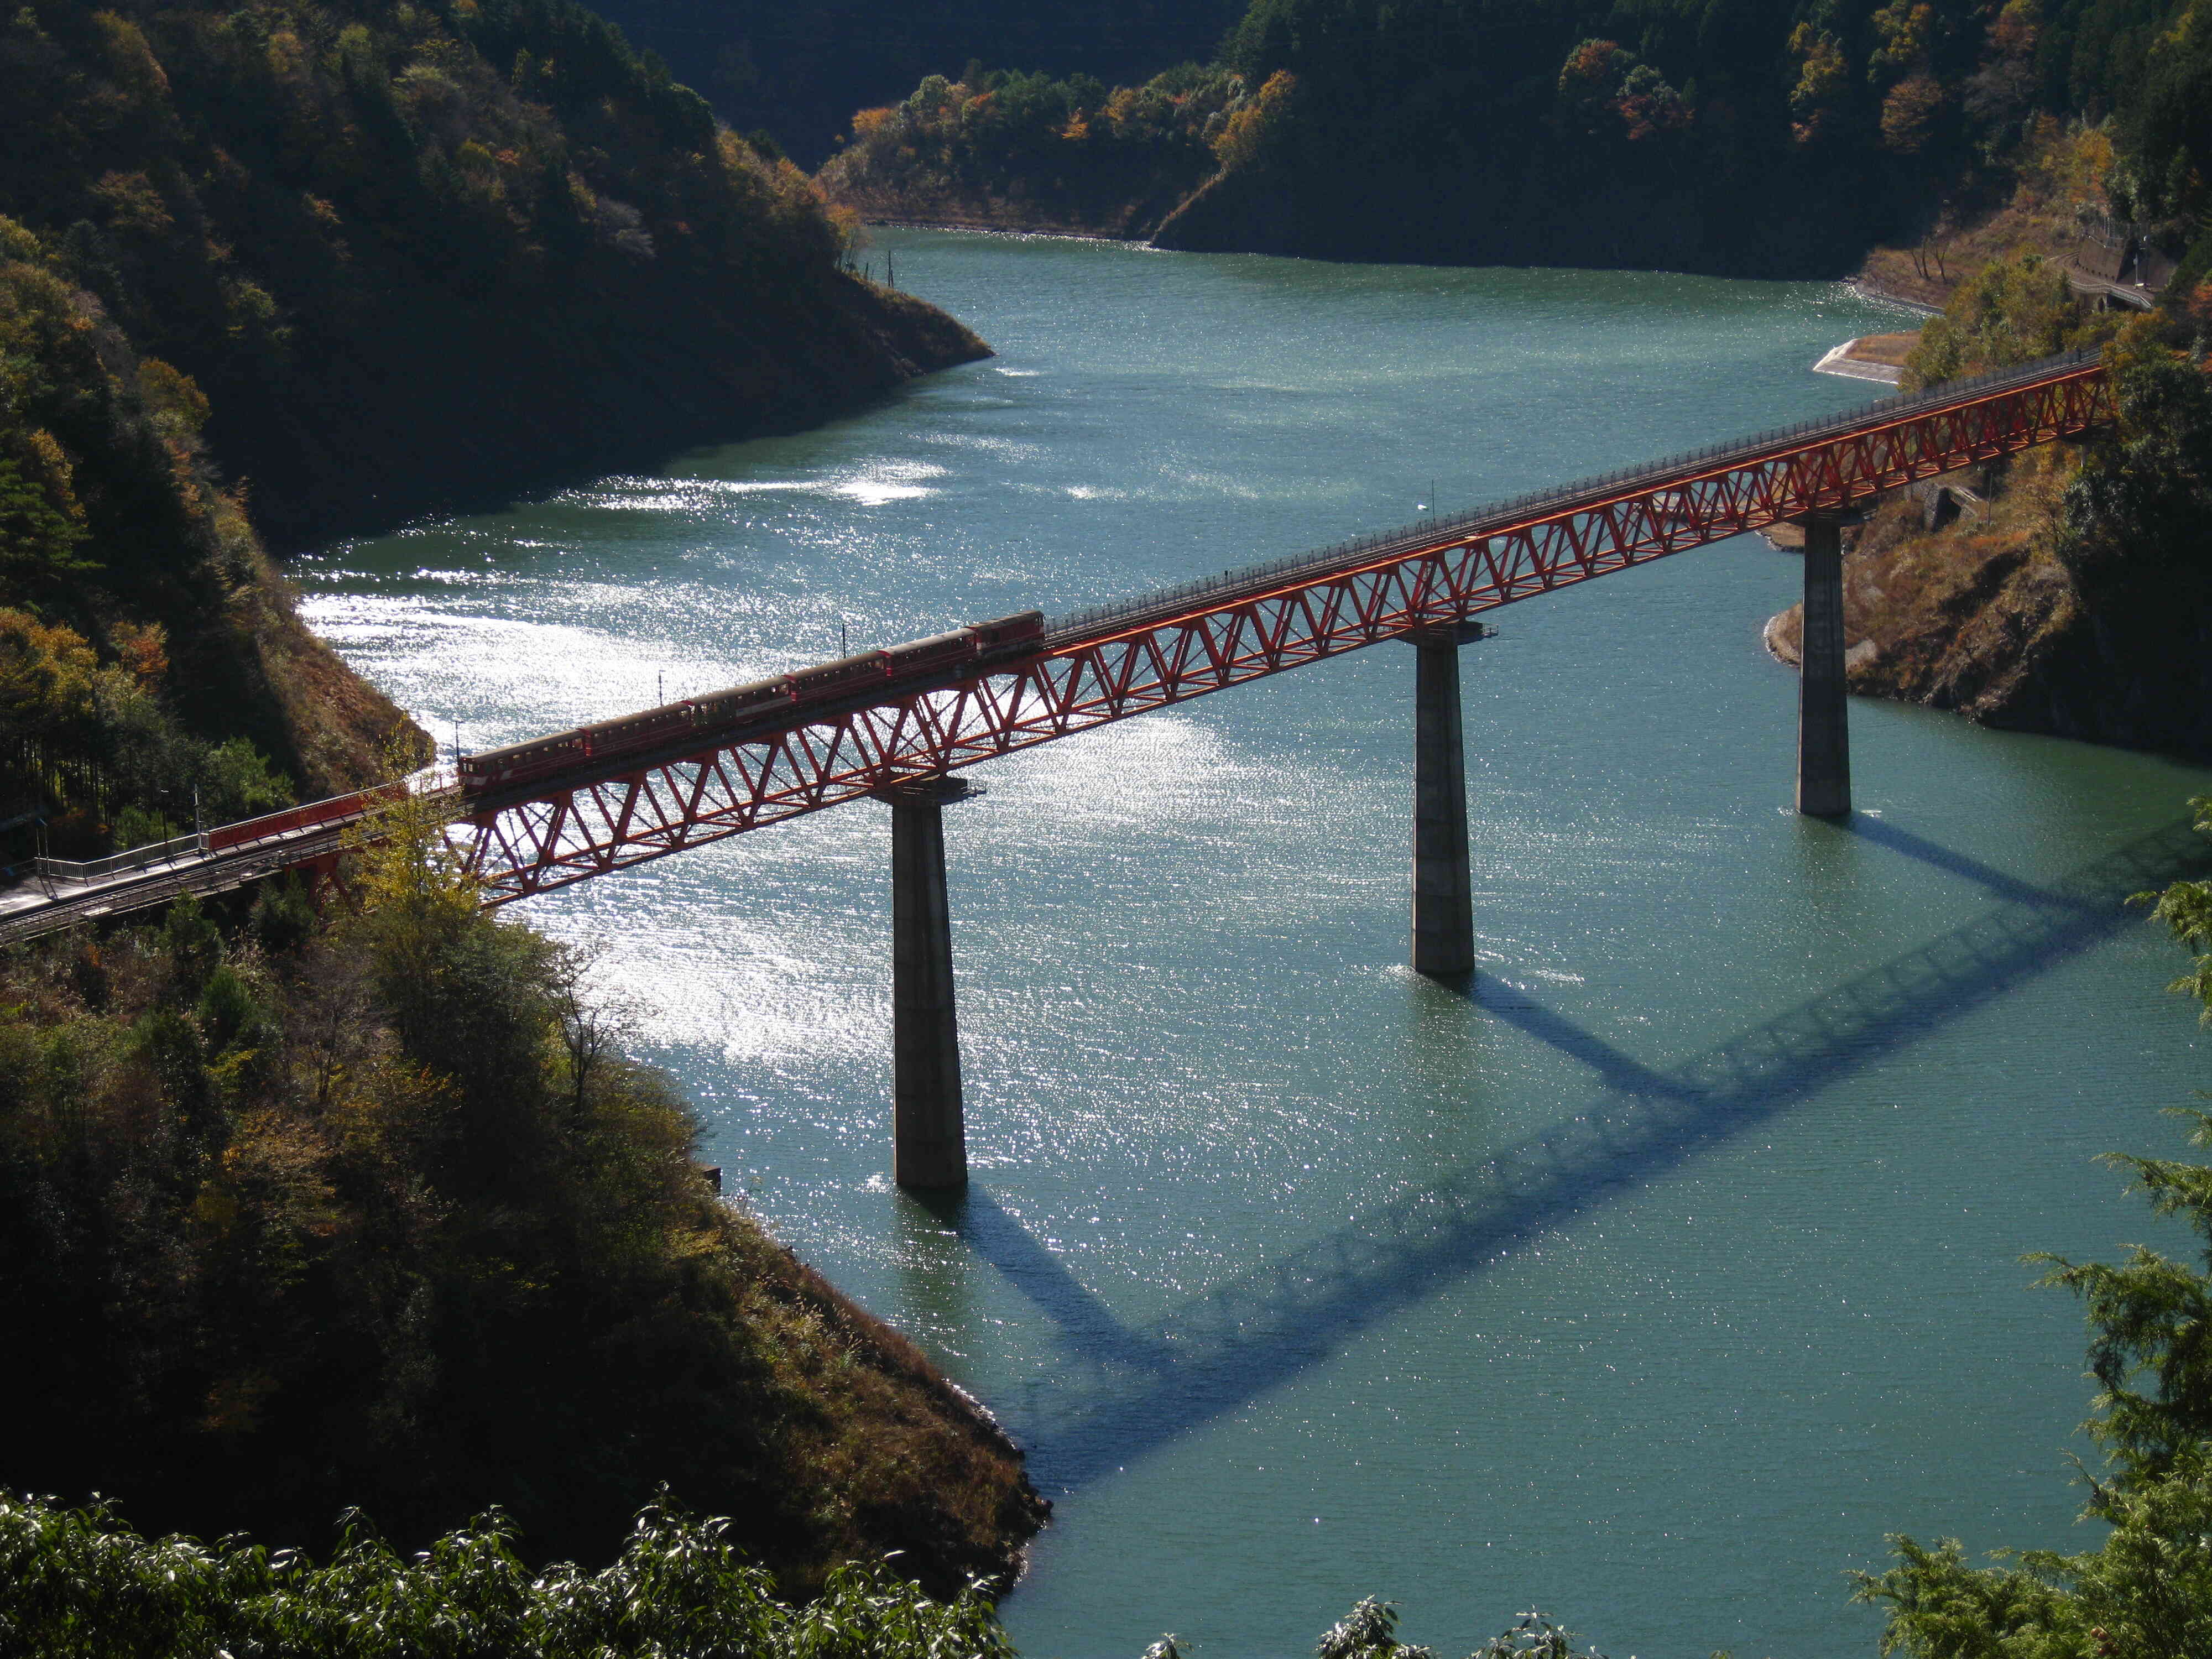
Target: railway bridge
[[901, 723]]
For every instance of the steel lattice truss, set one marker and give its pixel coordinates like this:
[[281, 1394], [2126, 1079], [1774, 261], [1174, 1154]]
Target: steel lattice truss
[[569, 830]]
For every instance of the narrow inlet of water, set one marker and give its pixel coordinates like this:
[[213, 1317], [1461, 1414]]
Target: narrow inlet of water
[[1652, 1282]]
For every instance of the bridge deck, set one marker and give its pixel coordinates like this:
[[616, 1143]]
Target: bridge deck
[[1113, 661], [1499, 518]]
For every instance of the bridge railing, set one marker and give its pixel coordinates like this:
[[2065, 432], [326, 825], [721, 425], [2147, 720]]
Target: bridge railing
[[116, 864], [335, 811], [1496, 514]]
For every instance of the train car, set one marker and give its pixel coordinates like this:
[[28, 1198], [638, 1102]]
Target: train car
[[524, 762], [741, 701], [654, 728], [1008, 633], [657, 728], [840, 678], [938, 651]]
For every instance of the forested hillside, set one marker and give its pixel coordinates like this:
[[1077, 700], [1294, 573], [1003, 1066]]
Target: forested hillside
[[1746, 136], [799, 72], [1026, 151], [415, 254], [150, 662], [306, 266], [1717, 134], [302, 1214]]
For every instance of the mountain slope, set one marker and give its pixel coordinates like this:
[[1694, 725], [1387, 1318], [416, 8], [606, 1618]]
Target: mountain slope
[[800, 69], [430, 254]]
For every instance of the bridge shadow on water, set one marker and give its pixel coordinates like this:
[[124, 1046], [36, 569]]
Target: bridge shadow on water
[[1898, 839], [1086, 1323], [1116, 1393], [1620, 1072]]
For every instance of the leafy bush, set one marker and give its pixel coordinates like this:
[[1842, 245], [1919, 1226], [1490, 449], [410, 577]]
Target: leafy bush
[[78, 1582]]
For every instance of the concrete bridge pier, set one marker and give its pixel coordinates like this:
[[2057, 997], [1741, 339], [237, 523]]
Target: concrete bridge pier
[[929, 1135], [1824, 742], [1443, 885]]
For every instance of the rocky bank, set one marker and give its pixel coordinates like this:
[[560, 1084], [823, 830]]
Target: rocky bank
[[1954, 598]]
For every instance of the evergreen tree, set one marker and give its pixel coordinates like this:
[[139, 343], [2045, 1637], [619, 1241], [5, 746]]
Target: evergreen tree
[[2146, 1592]]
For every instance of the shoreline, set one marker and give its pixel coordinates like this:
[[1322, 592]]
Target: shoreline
[[1770, 637], [1865, 288], [983, 229], [1859, 286], [1838, 360]]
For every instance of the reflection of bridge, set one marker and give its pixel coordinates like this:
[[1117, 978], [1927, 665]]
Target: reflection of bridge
[[898, 734], [1116, 1391]]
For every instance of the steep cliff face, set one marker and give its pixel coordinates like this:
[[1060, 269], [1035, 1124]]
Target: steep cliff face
[[1982, 617]]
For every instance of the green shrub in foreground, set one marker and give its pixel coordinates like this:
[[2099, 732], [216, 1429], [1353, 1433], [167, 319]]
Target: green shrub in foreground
[[78, 1582]]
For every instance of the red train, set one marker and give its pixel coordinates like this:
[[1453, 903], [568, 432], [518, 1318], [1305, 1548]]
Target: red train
[[658, 728]]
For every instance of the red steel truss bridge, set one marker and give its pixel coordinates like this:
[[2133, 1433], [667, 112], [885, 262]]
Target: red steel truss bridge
[[1114, 661], [897, 723], [1117, 660]]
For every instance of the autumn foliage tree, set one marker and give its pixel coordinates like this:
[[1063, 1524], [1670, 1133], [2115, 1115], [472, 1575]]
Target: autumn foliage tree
[[1073, 153]]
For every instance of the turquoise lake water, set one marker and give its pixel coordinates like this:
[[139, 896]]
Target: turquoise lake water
[[1652, 1282]]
